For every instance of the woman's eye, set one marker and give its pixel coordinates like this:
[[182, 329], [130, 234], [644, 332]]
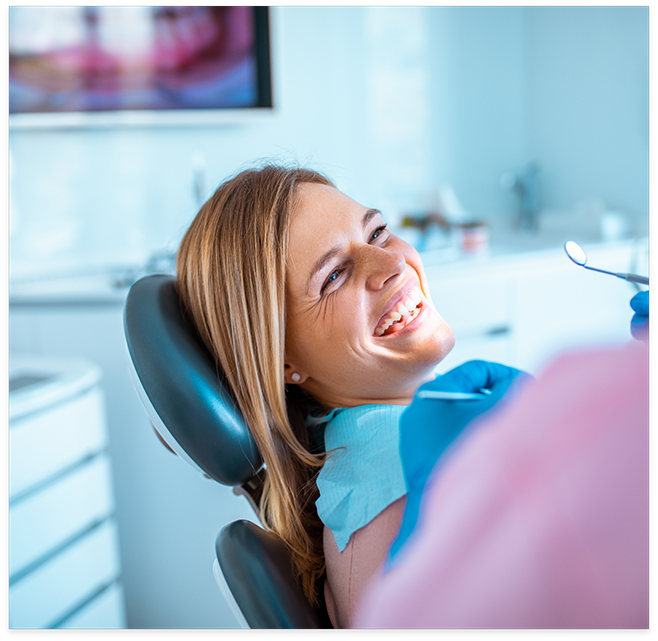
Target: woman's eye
[[378, 232], [336, 273], [332, 278]]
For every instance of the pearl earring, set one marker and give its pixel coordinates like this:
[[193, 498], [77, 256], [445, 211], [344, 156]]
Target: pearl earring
[[296, 377]]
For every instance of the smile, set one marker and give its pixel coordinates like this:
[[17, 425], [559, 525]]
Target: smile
[[403, 312]]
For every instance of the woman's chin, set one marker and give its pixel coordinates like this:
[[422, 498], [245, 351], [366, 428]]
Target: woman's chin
[[435, 341]]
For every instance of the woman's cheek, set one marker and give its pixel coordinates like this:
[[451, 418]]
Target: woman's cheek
[[414, 261]]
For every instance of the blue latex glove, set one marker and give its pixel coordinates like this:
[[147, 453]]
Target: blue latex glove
[[429, 426], [640, 320]]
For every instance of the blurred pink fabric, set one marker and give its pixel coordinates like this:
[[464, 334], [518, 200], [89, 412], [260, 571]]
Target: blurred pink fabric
[[540, 517]]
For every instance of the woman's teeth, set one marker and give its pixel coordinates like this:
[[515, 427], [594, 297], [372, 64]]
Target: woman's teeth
[[402, 314]]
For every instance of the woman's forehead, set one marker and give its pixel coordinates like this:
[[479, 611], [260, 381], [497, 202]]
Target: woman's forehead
[[320, 216], [323, 221], [313, 198], [323, 208]]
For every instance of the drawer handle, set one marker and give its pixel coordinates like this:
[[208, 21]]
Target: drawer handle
[[498, 331]]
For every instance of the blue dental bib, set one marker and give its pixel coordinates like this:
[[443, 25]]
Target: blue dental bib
[[363, 472]]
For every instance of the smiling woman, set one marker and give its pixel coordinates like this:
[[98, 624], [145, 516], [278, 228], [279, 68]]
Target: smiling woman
[[360, 327], [321, 322]]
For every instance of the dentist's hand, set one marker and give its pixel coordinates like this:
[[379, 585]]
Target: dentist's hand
[[429, 426], [640, 320]]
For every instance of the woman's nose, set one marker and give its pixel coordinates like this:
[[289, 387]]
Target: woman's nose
[[383, 265]]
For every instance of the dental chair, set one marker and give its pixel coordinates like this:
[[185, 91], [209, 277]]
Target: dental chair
[[195, 416]]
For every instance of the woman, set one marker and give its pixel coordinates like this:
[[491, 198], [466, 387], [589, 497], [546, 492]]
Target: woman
[[313, 308]]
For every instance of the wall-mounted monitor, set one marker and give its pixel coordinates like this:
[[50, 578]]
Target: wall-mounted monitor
[[115, 65]]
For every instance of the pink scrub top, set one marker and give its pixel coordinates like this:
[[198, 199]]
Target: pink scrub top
[[541, 520]]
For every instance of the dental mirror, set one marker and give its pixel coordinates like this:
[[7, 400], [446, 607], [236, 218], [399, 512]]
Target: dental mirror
[[577, 254]]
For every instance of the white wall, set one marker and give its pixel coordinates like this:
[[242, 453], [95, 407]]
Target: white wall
[[565, 86], [390, 102], [479, 103], [589, 105]]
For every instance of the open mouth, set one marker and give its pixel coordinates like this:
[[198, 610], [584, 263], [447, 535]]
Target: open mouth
[[404, 312]]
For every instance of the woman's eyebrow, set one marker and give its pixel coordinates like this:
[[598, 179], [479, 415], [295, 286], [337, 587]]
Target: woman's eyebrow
[[327, 256], [371, 213]]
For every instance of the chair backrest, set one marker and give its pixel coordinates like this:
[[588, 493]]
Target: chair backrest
[[256, 567], [181, 390], [180, 386]]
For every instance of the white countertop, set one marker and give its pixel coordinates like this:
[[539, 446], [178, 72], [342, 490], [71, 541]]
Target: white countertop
[[109, 288], [36, 382]]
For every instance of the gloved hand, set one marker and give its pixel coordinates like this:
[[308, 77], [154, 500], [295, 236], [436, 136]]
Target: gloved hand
[[429, 426], [640, 320]]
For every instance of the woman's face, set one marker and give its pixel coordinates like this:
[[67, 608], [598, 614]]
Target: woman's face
[[360, 326]]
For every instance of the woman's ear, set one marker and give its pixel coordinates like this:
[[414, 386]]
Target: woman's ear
[[293, 375]]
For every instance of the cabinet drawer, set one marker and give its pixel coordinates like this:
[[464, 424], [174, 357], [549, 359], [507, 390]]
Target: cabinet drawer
[[496, 348], [42, 521], [43, 443], [58, 587], [104, 612]]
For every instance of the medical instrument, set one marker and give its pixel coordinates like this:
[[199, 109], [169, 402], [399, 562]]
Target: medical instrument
[[453, 396], [578, 256]]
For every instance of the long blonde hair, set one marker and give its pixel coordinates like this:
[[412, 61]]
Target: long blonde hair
[[231, 278]]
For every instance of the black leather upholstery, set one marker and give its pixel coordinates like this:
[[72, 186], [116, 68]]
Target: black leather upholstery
[[180, 379], [257, 567]]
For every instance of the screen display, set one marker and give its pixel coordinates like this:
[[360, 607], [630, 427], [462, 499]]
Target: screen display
[[87, 59]]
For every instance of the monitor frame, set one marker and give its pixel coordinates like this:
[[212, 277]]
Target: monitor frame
[[171, 117]]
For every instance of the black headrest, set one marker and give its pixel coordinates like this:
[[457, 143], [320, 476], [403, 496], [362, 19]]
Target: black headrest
[[181, 388]]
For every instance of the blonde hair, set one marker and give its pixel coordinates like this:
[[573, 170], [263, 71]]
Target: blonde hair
[[231, 278]]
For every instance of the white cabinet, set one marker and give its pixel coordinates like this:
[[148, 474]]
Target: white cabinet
[[559, 306], [64, 568], [477, 305], [167, 514]]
